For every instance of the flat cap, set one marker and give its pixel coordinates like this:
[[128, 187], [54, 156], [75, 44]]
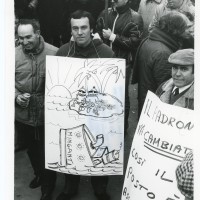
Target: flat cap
[[182, 57]]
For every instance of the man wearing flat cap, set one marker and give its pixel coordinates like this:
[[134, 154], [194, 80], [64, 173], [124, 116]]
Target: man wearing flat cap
[[179, 90]]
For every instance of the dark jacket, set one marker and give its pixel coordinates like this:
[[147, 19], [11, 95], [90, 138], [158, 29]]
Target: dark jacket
[[30, 78], [51, 15], [22, 9], [96, 49], [184, 99], [128, 29], [151, 67], [93, 6], [134, 4]]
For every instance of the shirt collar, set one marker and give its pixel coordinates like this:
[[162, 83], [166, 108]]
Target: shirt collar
[[182, 88], [38, 50]]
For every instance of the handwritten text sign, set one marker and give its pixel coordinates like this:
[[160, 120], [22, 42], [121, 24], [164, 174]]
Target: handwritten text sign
[[84, 115], [162, 138]]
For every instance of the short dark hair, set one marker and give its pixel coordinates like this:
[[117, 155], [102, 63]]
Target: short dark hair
[[34, 22], [78, 14], [188, 15], [173, 23]]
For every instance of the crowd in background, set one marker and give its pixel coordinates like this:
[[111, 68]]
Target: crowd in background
[[53, 15]]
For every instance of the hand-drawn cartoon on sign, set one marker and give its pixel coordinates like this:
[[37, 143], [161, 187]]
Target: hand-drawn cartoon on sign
[[84, 115], [163, 136]]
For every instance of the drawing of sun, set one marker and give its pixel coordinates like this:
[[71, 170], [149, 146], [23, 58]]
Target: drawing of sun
[[58, 83], [59, 91], [82, 85]]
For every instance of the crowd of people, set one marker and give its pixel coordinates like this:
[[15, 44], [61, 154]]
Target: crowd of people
[[155, 37]]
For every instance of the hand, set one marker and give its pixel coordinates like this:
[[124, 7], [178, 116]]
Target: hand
[[107, 33], [96, 36], [31, 6], [22, 101]]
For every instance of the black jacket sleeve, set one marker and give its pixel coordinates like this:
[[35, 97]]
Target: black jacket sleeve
[[131, 35]]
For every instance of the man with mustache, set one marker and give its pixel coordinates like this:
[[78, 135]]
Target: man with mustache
[[179, 90]]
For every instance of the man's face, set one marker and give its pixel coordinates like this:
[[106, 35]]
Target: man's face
[[81, 31], [119, 3], [182, 75], [189, 31], [174, 3], [27, 38]]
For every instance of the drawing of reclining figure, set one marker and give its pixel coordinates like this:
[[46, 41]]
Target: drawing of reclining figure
[[80, 98], [84, 99], [102, 154]]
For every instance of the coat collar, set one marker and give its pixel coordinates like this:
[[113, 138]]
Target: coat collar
[[122, 9], [38, 50], [161, 36], [168, 86], [157, 1], [84, 52]]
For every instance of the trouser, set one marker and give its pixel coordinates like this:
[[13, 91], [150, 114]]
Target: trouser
[[127, 100], [99, 183], [20, 139], [36, 153]]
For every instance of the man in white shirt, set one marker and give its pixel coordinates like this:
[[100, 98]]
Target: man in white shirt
[[179, 90]]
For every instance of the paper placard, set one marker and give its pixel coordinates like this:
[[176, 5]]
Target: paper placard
[[84, 115], [163, 136]]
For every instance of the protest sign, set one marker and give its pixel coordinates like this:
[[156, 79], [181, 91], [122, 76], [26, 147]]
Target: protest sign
[[84, 115], [163, 136]]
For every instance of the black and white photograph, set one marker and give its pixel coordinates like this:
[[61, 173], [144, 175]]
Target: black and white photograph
[[98, 100]]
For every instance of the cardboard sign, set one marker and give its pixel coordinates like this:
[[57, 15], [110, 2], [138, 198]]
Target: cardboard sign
[[84, 115], [163, 136]]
